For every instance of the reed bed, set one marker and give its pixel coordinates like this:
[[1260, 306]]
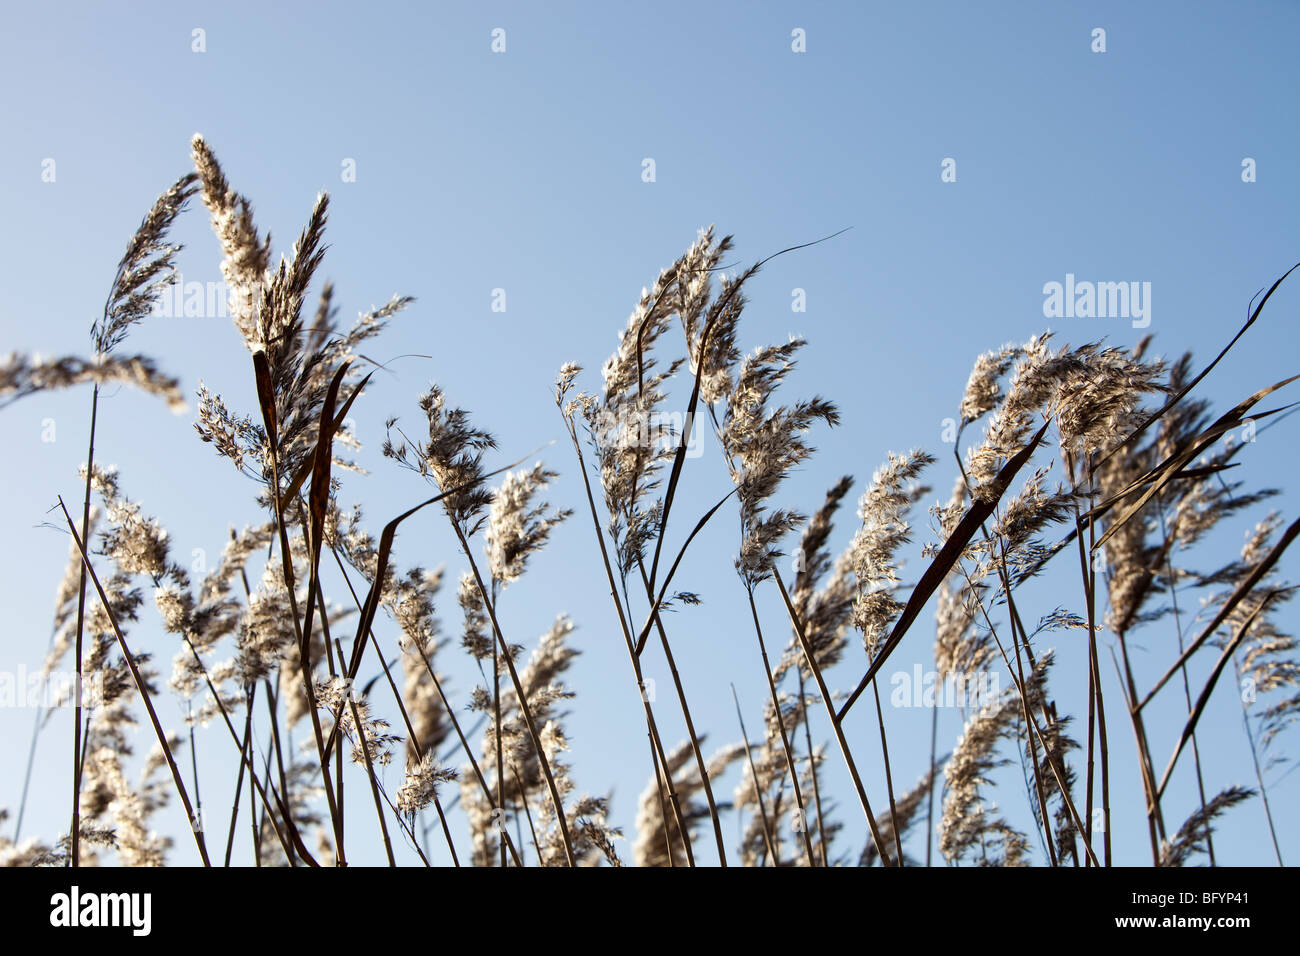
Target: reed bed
[[1100, 460]]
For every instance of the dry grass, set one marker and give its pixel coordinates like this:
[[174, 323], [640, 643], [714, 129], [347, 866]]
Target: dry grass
[[1088, 454]]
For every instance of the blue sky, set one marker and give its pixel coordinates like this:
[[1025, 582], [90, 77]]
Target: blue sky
[[522, 171]]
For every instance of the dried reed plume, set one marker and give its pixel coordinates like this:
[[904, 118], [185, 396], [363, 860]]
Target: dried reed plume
[[318, 655]]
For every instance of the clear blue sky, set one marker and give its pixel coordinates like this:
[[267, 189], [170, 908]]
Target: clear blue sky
[[522, 171]]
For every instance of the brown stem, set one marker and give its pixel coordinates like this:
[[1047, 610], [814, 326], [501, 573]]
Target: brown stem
[[464, 746], [1101, 703], [656, 743], [401, 705], [785, 738], [496, 740], [1033, 728], [758, 787], [143, 689], [304, 648], [1155, 819], [81, 620], [812, 765], [889, 777], [249, 693], [295, 838], [520, 694], [822, 689], [686, 713], [370, 766]]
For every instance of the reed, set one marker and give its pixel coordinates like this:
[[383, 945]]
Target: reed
[[1101, 460]]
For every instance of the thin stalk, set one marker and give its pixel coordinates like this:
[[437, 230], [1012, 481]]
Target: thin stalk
[[1017, 629], [75, 858], [785, 738], [313, 587], [1198, 710], [246, 755], [1016, 640], [1155, 819], [252, 775], [520, 694], [812, 765], [1259, 773], [496, 709], [889, 777], [31, 757], [1089, 585], [1096, 680], [1187, 686], [142, 687], [252, 810], [758, 789], [527, 813], [249, 693], [1019, 637], [464, 745], [272, 707], [668, 654], [408, 829], [1250, 736], [194, 774], [686, 713], [1034, 729], [663, 785], [27, 774], [304, 650], [822, 689], [419, 751], [785, 741], [656, 743], [401, 705], [370, 765], [929, 813]]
